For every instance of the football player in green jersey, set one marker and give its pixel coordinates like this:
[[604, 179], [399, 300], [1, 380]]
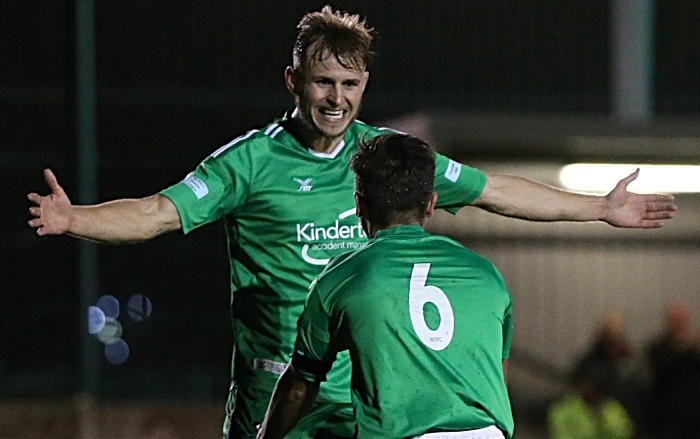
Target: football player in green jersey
[[416, 369], [284, 192]]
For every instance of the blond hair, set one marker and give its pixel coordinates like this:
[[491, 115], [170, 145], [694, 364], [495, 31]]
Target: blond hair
[[340, 34]]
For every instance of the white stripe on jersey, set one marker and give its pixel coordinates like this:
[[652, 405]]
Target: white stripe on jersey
[[270, 128], [276, 132], [381, 128], [347, 213], [233, 142]]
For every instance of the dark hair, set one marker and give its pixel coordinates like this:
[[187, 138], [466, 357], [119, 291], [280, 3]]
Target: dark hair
[[394, 175], [341, 34]]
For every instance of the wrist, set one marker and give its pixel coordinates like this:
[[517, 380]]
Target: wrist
[[604, 212]]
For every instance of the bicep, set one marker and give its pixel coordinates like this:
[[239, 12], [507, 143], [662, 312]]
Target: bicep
[[456, 184]]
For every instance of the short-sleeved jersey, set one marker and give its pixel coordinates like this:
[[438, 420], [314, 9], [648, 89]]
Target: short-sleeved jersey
[[427, 324], [287, 211]]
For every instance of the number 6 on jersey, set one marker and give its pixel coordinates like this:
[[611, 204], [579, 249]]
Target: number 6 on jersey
[[418, 295]]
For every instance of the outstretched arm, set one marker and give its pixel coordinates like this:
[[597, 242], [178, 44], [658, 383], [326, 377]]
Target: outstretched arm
[[519, 197], [290, 401], [115, 222]]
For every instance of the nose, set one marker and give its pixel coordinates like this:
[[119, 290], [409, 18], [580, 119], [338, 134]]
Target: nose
[[335, 95]]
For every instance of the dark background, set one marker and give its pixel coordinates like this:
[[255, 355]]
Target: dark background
[[176, 80]]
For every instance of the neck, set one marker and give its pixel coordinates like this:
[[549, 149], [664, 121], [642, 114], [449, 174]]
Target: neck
[[375, 228], [310, 137]]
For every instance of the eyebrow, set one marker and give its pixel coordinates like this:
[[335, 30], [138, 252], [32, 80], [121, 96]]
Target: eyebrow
[[331, 79]]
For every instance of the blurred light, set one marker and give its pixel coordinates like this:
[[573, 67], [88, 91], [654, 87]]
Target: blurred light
[[139, 307], [111, 331], [117, 352], [109, 305], [601, 177], [96, 319]]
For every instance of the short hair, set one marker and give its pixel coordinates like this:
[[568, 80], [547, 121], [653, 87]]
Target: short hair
[[394, 175], [341, 34]]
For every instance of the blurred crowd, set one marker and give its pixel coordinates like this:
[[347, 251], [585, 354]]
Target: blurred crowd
[[617, 393]]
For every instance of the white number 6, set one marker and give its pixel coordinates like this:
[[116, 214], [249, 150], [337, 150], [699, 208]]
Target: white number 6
[[418, 295]]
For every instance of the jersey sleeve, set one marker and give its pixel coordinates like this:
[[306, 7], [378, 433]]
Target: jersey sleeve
[[457, 185], [313, 352], [215, 188]]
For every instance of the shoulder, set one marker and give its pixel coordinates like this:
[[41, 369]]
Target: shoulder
[[468, 257], [337, 269], [253, 141], [458, 250], [360, 130], [341, 270]]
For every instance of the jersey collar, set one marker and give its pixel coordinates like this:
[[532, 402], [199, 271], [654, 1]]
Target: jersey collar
[[332, 155], [286, 118], [407, 229]]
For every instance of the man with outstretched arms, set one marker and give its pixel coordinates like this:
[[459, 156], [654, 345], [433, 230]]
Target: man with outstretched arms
[[289, 210], [285, 194], [427, 322]]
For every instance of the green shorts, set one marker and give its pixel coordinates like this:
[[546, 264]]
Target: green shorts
[[246, 409]]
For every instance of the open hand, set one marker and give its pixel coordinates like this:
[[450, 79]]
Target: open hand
[[628, 209], [52, 213]]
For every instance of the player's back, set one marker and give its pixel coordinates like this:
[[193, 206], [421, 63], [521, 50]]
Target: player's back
[[427, 323]]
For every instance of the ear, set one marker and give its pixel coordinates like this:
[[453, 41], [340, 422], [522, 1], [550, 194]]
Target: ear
[[291, 76], [431, 205], [359, 210]]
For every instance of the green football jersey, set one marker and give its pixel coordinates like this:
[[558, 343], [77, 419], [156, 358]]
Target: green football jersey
[[427, 324], [287, 211]]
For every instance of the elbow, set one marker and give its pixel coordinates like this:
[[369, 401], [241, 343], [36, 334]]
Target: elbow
[[159, 217]]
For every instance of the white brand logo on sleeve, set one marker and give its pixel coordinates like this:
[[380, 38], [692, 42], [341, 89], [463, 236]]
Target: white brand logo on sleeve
[[199, 188], [453, 171], [304, 185]]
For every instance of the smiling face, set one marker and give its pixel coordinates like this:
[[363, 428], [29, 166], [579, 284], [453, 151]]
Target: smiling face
[[328, 97]]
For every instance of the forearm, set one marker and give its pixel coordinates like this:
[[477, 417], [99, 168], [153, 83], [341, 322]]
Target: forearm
[[290, 401], [519, 197], [125, 220]]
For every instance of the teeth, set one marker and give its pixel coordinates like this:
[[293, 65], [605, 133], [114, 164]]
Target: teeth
[[333, 114]]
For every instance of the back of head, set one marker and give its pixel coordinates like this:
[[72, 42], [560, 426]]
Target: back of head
[[394, 176], [330, 32]]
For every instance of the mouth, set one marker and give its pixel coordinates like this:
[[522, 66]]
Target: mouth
[[332, 115]]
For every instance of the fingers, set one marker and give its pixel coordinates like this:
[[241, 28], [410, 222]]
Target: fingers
[[622, 184], [658, 215], [661, 207], [35, 222], [630, 178], [651, 224], [650, 198], [34, 198], [51, 180]]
